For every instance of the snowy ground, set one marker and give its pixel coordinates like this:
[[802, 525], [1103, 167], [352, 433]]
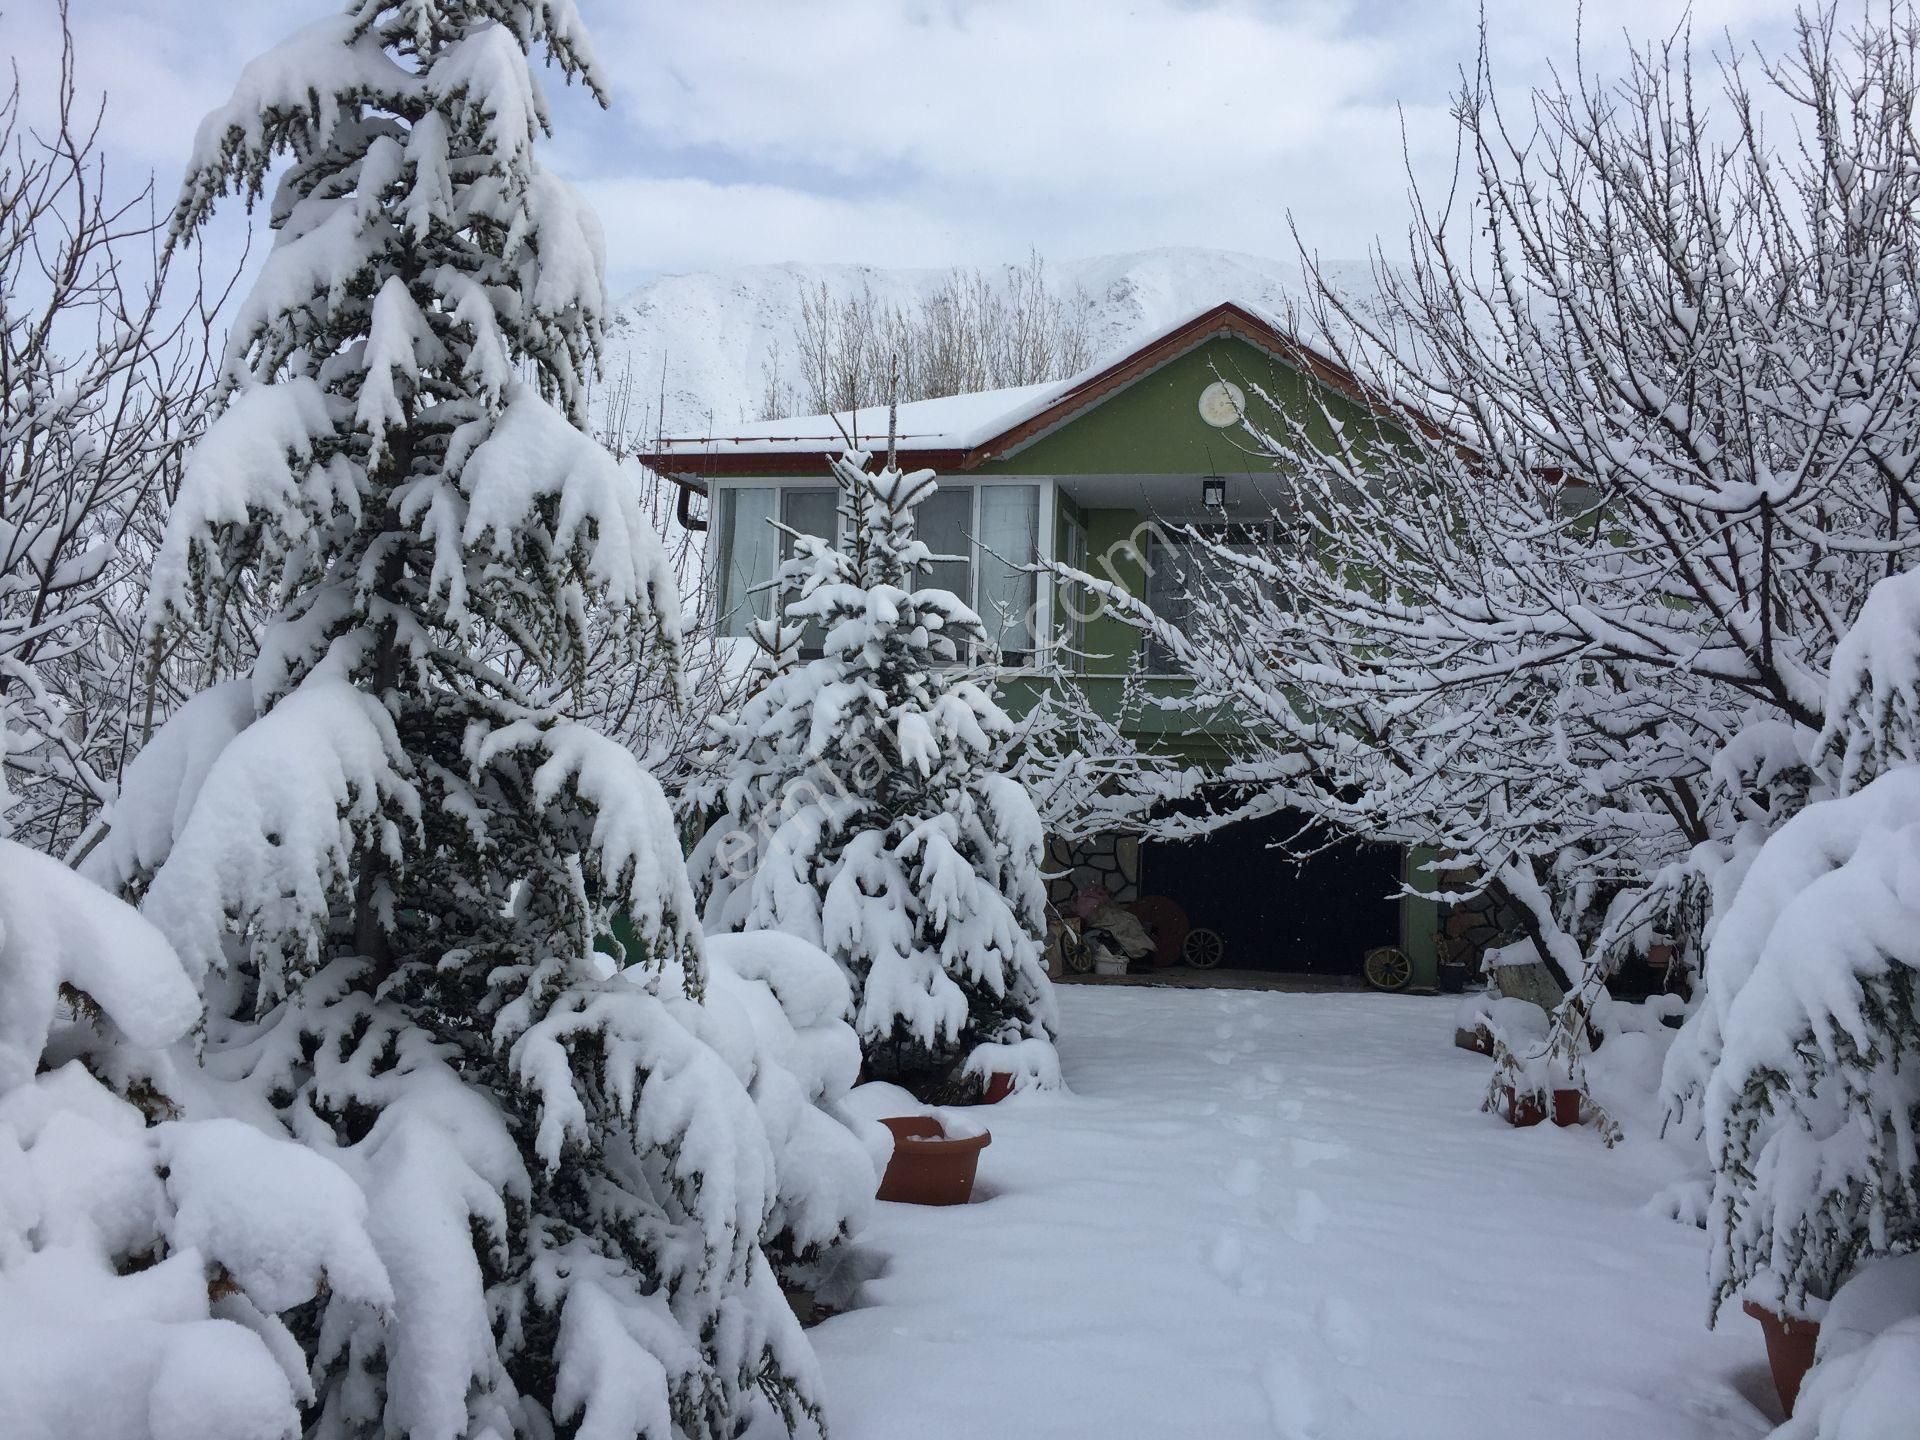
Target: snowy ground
[[1270, 1214]]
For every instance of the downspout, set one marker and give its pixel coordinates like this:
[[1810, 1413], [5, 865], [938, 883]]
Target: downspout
[[683, 508]]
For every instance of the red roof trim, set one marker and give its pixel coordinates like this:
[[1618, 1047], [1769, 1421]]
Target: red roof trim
[[1226, 319]]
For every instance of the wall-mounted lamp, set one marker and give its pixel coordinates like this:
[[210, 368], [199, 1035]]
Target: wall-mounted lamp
[[1213, 492]]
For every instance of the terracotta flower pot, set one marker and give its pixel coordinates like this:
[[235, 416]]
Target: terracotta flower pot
[[1520, 1110], [1479, 1040], [1790, 1343], [999, 1086], [1566, 1107], [928, 1167]]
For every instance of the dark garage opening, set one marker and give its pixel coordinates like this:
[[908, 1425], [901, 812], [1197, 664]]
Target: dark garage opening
[[1318, 916]]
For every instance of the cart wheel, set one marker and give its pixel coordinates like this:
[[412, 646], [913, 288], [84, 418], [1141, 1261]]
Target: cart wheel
[[1203, 948], [1078, 955], [1387, 969]]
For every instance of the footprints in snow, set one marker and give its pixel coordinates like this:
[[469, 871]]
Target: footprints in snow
[[1300, 1404], [1310, 1212], [1312, 1152], [1254, 1127], [1344, 1330], [1304, 1395]]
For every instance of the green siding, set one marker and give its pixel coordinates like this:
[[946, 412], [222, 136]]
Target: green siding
[[1420, 919], [1113, 553], [1153, 426]]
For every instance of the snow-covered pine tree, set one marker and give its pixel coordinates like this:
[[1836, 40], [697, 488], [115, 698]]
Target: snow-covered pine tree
[[388, 860], [1806, 1054], [1804, 1057], [854, 803]]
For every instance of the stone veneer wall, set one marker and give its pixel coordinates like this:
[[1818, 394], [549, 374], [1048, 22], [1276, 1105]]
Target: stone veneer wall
[[1112, 861], [1476, 925]]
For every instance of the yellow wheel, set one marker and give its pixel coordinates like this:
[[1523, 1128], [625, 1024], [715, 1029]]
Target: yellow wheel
[[1387, 969]]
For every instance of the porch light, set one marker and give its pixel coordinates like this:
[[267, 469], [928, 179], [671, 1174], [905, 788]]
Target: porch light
[[1213, 492]]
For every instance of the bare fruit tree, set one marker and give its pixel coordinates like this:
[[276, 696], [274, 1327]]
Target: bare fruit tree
[[976, 330], [102, 370], [1560, 593]]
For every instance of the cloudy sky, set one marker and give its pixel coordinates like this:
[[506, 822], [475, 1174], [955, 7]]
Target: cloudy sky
[[927, 132]]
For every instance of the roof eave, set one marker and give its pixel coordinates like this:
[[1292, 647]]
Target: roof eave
[[692, 470]]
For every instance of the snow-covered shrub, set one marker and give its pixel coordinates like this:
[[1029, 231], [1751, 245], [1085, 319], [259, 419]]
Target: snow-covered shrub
[[144, 1267], [1873, 691], [1517, 1022], [388, 856], [1865, 1383], [858, 809], [776, 1009], [1804, 1057]]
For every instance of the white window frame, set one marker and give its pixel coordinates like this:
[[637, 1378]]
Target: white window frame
[[1044, 640]]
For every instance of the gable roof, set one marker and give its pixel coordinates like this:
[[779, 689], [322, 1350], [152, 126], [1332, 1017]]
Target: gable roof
[[963, 432]]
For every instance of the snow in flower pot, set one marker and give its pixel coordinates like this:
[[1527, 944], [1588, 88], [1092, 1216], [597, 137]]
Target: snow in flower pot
[[929, 1166], [1477, 1019], [1566, 1106], [995, 1071], [1790, 1344]]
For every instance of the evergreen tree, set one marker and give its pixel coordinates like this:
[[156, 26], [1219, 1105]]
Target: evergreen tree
[[1803, 1060], [385, 856], [858, 806], [1806, 1054]]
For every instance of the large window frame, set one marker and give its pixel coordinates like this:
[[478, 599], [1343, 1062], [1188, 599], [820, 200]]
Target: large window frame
[[1240, 535], [724, 577]]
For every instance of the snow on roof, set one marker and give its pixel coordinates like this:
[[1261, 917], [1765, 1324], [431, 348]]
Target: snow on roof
[[954, 422]]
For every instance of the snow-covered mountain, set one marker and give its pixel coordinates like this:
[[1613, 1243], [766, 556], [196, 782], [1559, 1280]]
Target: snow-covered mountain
[[698, 347]]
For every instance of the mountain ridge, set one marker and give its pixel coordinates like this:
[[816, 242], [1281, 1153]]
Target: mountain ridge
[[693, 351]]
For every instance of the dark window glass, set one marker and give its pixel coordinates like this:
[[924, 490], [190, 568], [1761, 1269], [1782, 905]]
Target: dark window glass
[[1183, 569], [811, 512], [942, 521]]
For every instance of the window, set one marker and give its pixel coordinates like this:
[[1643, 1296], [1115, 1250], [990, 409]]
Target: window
[[1008, 535], [943, 522], [810, 511], [748, 544], [1072, 604], [1180, 569], [985, 533]]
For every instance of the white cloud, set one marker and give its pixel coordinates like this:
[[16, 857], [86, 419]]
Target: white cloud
[[871, 128], [694, 224], [932, 131]]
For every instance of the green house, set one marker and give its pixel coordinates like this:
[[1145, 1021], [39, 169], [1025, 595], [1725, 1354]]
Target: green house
[[1094, 471]]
